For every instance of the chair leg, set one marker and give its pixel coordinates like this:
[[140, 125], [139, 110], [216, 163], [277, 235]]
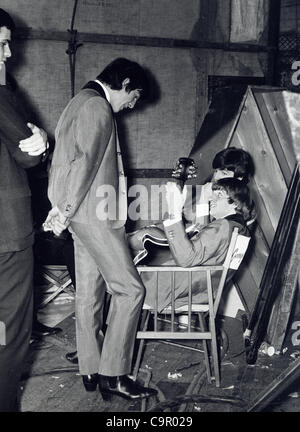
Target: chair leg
[[144, 325], [215, 353], [205, 348]]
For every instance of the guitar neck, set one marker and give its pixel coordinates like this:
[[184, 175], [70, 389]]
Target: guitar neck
[[179, 182]]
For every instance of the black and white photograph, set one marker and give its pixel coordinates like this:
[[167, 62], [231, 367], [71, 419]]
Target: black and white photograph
[[149, 210]]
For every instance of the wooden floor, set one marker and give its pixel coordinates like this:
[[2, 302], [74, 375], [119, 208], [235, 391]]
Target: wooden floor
[[52, 384]]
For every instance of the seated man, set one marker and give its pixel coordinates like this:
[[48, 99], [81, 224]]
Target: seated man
[[228, 163], [230, 207]]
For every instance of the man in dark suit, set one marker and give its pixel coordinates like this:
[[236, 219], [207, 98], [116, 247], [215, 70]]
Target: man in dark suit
[[21, 146], [87, 190]]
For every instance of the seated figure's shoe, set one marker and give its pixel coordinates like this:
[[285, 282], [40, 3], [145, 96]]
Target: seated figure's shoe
[[72, 357], [90, 382], [123, 386], [39, 329]]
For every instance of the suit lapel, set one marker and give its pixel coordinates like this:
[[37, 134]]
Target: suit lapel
[[95, 86]]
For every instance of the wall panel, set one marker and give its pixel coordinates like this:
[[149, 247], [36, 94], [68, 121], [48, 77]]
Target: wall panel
[[159, 18], [154, 137], [42, 71]]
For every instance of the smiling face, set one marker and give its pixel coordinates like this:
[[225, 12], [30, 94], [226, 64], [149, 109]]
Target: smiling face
[[5, 53], [221, 205]]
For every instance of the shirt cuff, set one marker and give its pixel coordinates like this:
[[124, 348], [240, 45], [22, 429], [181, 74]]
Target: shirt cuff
[[190, 228]]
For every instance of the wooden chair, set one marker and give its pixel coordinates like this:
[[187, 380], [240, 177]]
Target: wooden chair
[[56, 276], [236, 251]]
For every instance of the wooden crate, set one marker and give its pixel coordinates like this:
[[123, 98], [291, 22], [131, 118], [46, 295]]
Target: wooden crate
[[260, 120]]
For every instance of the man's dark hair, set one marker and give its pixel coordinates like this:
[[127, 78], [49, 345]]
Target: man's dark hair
[[238, 193], [6, 20], [236, 160], [121, 68]]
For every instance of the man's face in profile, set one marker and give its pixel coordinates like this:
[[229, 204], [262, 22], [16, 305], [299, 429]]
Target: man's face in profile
[[221, 205], [5, 53]]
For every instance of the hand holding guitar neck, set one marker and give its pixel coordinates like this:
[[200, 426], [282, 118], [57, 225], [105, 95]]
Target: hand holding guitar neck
[[184, 169]]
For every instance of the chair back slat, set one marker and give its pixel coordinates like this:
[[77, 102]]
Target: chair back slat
[[220, 290], [172, 300], [209, 290], [230, 251], [156, 302], [189, 301]]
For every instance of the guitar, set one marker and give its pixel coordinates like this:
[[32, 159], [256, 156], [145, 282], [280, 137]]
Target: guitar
[[140, 240], [185, 169]]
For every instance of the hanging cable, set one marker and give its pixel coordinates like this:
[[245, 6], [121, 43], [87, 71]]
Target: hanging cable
[[72, 48]]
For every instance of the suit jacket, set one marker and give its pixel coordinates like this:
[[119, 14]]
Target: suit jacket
[[86, 166], [207, 247], [16, 228]]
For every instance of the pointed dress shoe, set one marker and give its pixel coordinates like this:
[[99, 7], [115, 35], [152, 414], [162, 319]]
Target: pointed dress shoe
[[72, 357], [90, 382], [123, 386]]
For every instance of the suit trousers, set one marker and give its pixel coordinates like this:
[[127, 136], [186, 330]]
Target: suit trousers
[[103, 263], [16, 272]]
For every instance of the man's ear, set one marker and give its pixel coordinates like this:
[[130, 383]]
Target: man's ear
[[125, 82], [234, 206]]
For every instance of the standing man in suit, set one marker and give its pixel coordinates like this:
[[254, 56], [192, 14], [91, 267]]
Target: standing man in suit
[[22, 145], [87, 190]]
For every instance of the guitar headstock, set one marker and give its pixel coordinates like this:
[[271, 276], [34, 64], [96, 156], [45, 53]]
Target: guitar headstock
[[185, 168]]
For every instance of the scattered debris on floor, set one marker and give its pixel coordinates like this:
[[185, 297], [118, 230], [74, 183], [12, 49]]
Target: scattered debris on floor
[[174, 376]]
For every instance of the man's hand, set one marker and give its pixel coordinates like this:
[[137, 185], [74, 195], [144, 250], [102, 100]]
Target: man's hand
[[55, 221], [175, 199], [206, 193], [37, 143]]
